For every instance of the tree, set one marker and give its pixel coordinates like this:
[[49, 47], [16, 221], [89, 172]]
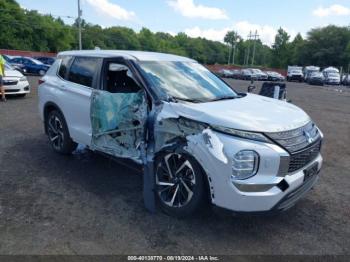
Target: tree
[[280, 50], [231, 39], [327, 46], [296, 49]]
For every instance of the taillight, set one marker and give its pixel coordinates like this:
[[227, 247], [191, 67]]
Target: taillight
[[41, 81]]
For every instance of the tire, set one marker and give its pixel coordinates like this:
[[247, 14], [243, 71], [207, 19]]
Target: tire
[[180, 185], [58, 134], [42, 72]]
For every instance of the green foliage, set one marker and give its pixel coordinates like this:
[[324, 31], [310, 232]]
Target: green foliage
[[29, 30]]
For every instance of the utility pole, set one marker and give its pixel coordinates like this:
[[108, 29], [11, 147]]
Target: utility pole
[[256, 37], [80, 12], [248, 47]]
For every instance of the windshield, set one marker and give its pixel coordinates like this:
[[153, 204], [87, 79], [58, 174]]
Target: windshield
[[8, 67], [37, 62], [186, 81], [256, 71]]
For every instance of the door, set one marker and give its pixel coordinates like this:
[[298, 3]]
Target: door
[[75, 95], [118, 112]]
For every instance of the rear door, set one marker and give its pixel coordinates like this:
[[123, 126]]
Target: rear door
[[75, 96], [119, 112]]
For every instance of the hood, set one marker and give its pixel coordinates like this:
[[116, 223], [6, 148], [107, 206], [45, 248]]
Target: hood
[[13, 73], [250, 113]]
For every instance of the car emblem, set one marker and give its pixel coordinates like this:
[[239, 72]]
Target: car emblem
[[308, 136]]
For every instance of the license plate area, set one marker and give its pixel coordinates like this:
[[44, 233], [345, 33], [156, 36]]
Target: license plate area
[[311, 171]]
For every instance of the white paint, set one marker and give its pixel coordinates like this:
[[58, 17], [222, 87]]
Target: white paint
[[215, 146], [251, 113]]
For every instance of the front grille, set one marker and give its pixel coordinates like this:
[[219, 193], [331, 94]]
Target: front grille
[[12, 91], [300, 159], [10, 82], [296, 139]]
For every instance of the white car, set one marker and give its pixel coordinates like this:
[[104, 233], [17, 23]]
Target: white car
[[15, 83], [195, 137]]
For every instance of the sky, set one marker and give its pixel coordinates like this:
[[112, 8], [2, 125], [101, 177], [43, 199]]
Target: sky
[[205, 18]]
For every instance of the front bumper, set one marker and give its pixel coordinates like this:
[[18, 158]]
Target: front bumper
[[260, 193], [22, 87], [332, 82]]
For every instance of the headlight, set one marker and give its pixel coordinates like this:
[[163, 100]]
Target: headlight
[[23, 78], [243, 134], [245, 164]]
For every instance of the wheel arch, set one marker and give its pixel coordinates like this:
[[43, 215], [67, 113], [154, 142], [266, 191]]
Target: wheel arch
[[49, 107], [179, 148]]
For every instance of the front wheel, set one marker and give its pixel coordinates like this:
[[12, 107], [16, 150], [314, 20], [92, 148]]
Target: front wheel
[[180, 185], [58, 133]]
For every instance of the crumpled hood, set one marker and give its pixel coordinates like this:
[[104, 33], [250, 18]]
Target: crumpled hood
[[250, 113]]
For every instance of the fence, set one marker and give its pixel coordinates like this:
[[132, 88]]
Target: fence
[[25, 53]]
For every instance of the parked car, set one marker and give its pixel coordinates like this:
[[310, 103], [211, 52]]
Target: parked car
[[196, 138], [236, 73], [308, 70], [248, 74], [295, 73], [260, 75], [19, 68], [316, 78], [346, 80], [45, 60], [225, 73], [15, 83], [30, 65], [331, 75], [274, 76]]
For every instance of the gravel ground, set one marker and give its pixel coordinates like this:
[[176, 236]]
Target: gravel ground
[[87, 204]]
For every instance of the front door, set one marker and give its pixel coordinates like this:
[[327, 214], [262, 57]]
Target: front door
[[118, 113]]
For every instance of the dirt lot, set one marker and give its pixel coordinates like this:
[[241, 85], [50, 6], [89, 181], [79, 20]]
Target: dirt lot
[[86, 204]]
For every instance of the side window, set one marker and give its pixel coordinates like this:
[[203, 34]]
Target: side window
[[82, 70], [120, 79], [62, 72]]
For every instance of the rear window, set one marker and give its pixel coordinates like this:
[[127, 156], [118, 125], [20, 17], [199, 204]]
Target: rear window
[[62, 72], [82, 70]]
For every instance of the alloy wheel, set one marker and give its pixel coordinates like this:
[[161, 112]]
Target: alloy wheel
[[55, 132], [175, 180]]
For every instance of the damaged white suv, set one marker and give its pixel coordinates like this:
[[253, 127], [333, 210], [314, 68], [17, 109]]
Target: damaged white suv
[[195, 137]]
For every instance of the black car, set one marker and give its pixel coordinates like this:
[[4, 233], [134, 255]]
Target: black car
[[274, 76], [316, 78], [46, 60], [30, 65], [247, 74]]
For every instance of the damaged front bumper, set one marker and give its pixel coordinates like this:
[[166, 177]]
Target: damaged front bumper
[[260, 193]]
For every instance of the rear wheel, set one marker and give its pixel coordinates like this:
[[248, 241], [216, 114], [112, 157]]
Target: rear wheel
[[180, 184], [58, 133]]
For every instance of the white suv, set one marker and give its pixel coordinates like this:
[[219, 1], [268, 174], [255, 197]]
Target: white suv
[[196, 138]]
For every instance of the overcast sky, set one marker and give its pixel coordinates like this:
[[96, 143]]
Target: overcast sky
[[206, 18]]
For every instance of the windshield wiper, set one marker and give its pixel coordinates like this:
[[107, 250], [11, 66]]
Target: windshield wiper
[[188, 100], [224, 98]]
